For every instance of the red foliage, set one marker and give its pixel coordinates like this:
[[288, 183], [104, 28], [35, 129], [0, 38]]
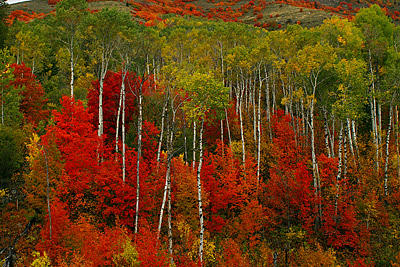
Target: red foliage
[[78, 242], [339, 224], [227, 185], [33, 102], [21, 15], [111, 95], [289, 193], [148, 248]]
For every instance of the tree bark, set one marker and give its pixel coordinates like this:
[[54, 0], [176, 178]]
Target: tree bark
[[71, 52], [259, 128], [123, 129], [339, 174], [194, 145], [139, 154], [350, 141], [242, 134], [326, 134], [387, 148], [227, 126], [199, 193], [162, 127]]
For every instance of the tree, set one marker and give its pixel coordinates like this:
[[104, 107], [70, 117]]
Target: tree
[[378, 33], [10, 96], [103, 28], [3, 26], [65, 28], [33, 101], [11, 155], [30, 47], [205, 94], [312, 61]]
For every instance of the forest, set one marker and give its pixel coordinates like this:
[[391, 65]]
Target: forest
[[198, 141]]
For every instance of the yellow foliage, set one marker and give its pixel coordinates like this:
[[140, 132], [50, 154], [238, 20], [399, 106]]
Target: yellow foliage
[[209, 253], [40, 261], [236, 147], [284, 100], [266, 255], [128, 257], [318, 257], [2, 193]]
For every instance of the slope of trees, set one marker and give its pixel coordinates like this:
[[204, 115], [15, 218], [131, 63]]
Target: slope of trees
[[199, 142]]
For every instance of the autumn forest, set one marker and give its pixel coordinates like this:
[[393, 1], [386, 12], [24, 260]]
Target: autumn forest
[[172, 136]]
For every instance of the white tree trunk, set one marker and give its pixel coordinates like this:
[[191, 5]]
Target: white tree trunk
[[71, 51], [387, 149], [194, 145], [259, 128], [139, 154], [162, 127], [117, 124], [353, 126], [123, 129], [339, 174], [227, 126], [349, 135], [326, 134], [199, 194], [242, 135], [170, 137]]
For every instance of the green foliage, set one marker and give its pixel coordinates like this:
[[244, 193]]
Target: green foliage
[[3, 26], [205, 94], [11, 154], [351, 96], [9, 96]]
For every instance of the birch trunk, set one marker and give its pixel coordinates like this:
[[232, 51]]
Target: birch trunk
[[267, 101], [119, 109], [349, 137], [162, 127], [242, 134], [326, 134], [259, 129], [387, 149], [71, 52], [139, 154], [170, 137], [117, 126], [222, 136], [170, 224], [339, 174], [194, 145], [199, 193], [373, 113], [344, 156], [333, 136], [123, 130], [317, 185], [227, 126], [353, 126]]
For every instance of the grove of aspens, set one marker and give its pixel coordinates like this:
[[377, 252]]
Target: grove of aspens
[[198, 141]]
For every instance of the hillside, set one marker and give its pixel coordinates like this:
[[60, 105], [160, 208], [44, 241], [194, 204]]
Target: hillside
[[267, 14], [199, 133]]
